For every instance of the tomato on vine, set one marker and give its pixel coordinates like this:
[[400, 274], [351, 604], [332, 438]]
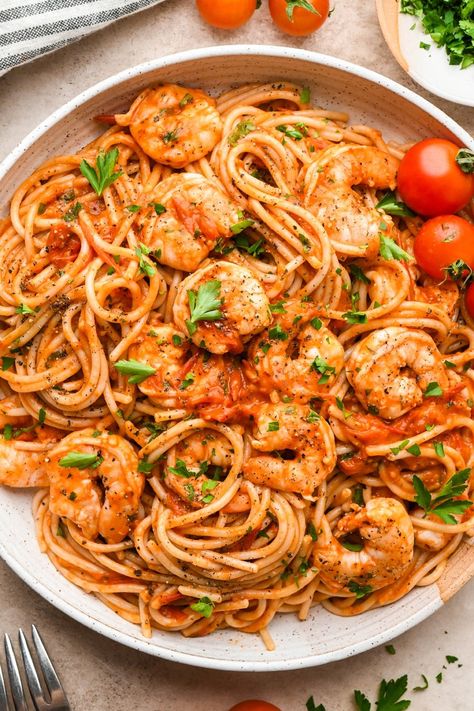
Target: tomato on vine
[[299, 17]]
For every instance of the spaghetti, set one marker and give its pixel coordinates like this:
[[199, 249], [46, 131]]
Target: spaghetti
[[221, 364]]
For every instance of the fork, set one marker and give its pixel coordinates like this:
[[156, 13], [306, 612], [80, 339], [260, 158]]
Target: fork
[[58, 700]]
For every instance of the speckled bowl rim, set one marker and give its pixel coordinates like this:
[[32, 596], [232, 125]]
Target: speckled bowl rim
[[144, 645]]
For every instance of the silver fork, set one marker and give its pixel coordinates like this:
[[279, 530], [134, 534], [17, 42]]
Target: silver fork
[[57, 697]]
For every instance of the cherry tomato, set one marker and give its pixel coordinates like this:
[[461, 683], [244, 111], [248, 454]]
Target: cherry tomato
[[431, 182], [226, 14], [254, 706], [294, 17], [63, 245], [469, 298], [443, 240]]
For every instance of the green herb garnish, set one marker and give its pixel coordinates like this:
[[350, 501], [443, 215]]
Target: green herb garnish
[[204, 305], [104, 173], [137, 371]]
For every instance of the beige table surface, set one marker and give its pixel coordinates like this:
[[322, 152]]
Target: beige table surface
[[101, 675]]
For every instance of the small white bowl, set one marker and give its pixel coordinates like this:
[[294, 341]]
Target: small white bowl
[[370, 98], [419, 56]]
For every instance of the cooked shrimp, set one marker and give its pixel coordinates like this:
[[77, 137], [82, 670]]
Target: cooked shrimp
[[20, 467], [300, 359], [445, 295], [386, 532], [12, 412], [240, 307], [391, 368], [352, 225], [196, 465], [76, 494], [426, 539], [196, 214], [163, 348], [174, 125], [307, 445], [185, 378]]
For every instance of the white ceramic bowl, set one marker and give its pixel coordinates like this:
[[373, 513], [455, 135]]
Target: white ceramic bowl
[[370, 98]]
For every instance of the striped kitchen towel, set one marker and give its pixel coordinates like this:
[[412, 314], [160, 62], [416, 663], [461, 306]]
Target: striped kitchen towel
[[31, 28]]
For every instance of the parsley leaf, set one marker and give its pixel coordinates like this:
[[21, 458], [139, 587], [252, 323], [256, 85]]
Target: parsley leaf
[[7, 362], [180, 469], [81, 460], [359, 590], [390, 695], [241, 226], [291, 132], [104, 174], [362, 702], [355, 317], [433, 390], [444, 505], [389, 250], [394, 207], [204, 305], [137, 371], [240, 131], [142, 251], [204, 606], [311, 706], [425, 684]]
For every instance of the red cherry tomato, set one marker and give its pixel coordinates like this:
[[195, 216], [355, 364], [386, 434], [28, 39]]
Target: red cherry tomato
[[469, 298], [431, 182], [443, 240], [226, 14], [254, 706], [294, 18]]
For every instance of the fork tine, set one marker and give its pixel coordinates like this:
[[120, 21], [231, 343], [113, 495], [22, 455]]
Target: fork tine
[[31, 675], [3, 693], [52, 679], [15, 679]]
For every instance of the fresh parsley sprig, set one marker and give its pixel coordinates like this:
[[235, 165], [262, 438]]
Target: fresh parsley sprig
[[204, 305], [137, 371], [392, 206], [444, 505], [104, 173], [389, 250], [389, 696]]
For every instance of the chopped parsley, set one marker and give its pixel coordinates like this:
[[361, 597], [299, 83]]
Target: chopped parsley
[[144, 265], [449, 23]]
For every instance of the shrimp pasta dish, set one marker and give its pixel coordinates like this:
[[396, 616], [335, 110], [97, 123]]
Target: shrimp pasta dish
[[231, 384]]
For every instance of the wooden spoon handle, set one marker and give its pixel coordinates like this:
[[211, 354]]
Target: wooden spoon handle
[[388, 12]]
